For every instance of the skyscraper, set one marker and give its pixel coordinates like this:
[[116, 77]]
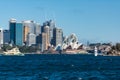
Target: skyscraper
[[30, 24], [6, 36], [26, 31], [16, 32], [31, 39], [19, 34], [12, 25], [37, 29], [52, 26], [57, 36], [47, 31], [38, 40], [44, 42]]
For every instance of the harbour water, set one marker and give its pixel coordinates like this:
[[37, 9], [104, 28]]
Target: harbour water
[[59, 67]]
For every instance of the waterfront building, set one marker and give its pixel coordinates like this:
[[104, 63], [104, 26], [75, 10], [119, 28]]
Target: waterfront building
[[16, 32], [19, 34], [31, 39], [25, 33], [12, 25], [57, 36], [71, 42], [47, 31], [6, 36], [44, 42]]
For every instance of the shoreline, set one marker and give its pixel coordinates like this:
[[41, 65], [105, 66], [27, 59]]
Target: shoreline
[[57, 53], [68, 54]]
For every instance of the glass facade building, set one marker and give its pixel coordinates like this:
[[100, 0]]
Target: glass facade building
[[16, 32], [57, 36], [6, 36], [12, 27], [19, 34]]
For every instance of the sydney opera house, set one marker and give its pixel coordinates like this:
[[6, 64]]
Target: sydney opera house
[[71, 42], [72, 45]]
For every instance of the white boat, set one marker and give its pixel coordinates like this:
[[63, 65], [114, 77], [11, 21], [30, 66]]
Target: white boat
[[14, 51], [95, 51]]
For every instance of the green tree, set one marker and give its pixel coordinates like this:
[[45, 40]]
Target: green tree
[[6, 47], [118, 46]]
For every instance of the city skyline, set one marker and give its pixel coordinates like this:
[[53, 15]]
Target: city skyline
[[89, 20]]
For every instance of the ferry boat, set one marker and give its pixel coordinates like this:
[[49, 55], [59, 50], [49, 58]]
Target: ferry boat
[[14, 51]]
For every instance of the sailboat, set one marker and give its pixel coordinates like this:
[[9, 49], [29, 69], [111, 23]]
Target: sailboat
[[95, 51]]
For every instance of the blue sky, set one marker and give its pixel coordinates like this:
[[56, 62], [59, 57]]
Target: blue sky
[[93, 20]]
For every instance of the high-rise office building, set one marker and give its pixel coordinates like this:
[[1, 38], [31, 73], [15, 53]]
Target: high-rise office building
[[52, 26], [31, 39], [44, 42], [1, 36], [16, 32], [47, 31], [38, 39], [42, 28], [19, 34], [57, 36], [30, 24], [37, 29], [6, 36], [12, 27], [26, 31]]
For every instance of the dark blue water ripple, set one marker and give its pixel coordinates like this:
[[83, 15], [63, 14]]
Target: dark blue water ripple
[[59, 67]]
